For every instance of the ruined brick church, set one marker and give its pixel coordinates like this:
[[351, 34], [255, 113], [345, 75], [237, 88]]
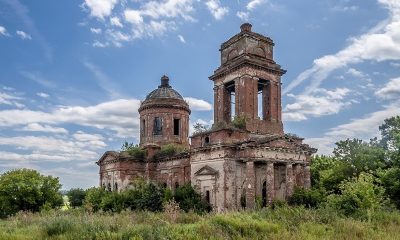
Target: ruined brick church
[[230, 164]]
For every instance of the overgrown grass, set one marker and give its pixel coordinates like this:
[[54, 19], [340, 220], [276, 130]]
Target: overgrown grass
[[278, 223]]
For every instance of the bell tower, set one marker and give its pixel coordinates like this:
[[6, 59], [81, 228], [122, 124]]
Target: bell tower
[[248, 83]]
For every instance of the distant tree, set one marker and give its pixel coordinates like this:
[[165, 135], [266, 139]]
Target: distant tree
[[361, 156], [390, 132], [28, 190], [390, 180], [199, 128], [76, 197]]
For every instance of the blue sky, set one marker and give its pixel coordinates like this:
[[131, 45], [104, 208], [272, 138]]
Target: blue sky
[[73, 72]]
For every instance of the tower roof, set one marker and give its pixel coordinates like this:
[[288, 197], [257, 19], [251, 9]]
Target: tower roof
[[164, 91]]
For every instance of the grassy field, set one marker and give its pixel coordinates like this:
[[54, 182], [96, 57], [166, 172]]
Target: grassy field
[[279, 223]]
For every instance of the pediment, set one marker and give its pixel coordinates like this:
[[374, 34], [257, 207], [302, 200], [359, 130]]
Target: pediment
[[206, 170]]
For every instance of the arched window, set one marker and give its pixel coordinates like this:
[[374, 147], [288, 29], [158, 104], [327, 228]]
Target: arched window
[[116, 187], [207, 140], [157, 126], [109, 187], [176, 185]]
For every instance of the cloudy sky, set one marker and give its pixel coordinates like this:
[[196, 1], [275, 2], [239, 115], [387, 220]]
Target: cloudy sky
[[73, 72]]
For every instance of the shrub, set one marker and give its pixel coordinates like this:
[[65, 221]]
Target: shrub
[[308, 198], [94, 197], [390, 180], [239, 122], [189, 199], [144, 196], [112, 201], [359, 197], [76, 197], [134, 150], [170, 150]]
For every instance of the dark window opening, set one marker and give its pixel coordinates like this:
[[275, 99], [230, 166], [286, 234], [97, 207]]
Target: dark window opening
[[206, 140], [177, 125], [109, 186], [176, 185], [157, 128], [164, 185], [263, 99], [116, 187], [264, 194], [208, 196], [143, 127]]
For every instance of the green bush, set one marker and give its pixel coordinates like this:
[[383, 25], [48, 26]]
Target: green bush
[[390, 180], [189, 199], [134, 150], [144, 196], [76, 197], [239, 122], [94, 197], [112, 201], [309, 198], [359, 197], [170, 150]]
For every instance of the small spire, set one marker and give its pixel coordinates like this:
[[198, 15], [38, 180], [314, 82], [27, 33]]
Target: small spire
[[164, 81], [246, 27]]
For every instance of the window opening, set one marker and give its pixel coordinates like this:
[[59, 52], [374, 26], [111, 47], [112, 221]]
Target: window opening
[[177, 126], [157, 129], [208, 196]]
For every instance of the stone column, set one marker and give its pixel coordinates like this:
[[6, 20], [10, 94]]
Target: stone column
[[298, 175], [307, 177], [270, 182], [289, 179], [250, 186]]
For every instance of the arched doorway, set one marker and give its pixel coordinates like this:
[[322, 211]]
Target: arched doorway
[[264, 194]]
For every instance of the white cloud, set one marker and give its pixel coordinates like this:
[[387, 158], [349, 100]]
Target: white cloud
[[254, 4], [218, 11], [198, 104], [43, 95], [96, 30], [395, 64], [390, 91], [243, 15], [381, 43], [23, 35], [100, 8], [115, 21], [355, 73], [12, 100], [133, 16], [100, 44], [181, 38], [351, 8], [3, 31], [120, 116], [320, 103], [364, 128], [36, 127]]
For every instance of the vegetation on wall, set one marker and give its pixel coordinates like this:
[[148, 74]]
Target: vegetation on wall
[[134, 150]]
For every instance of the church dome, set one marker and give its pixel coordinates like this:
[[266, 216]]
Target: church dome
[[164, 96], [164, 91]]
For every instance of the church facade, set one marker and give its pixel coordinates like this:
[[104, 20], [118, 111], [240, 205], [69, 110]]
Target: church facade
[[245, 155]]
